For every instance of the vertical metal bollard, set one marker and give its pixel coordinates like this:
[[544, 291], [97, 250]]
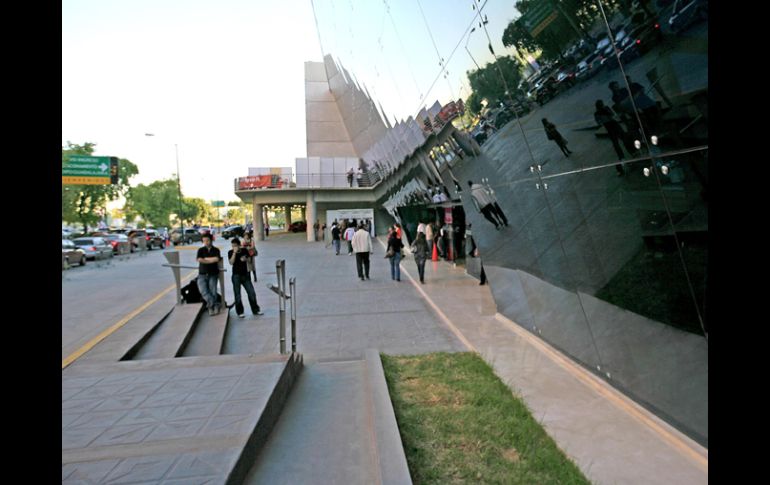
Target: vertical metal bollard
[[293, 296], [280, 271]]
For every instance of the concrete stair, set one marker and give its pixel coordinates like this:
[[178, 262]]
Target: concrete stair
[[169, 339], [337, 427]]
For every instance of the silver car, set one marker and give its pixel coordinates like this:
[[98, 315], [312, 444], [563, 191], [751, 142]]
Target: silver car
[[94, 247], [71, 254]]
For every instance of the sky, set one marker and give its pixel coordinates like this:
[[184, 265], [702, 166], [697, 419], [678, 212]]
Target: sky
[[223, 82]]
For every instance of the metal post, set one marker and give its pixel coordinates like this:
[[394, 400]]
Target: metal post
[[280, 271], [293, 296]]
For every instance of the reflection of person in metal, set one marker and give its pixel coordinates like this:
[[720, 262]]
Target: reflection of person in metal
[[606, 118], [495, 206], [553, 134], [486, 205]]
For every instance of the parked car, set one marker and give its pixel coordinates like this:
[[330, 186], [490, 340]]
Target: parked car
[[120, 243], [94, 247], [190, 235], [233, 231], [298, 226], [71, 254], [687, 13], [154, 239]]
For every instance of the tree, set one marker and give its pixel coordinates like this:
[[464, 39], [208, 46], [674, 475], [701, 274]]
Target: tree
[[195, 209], [574, 20], [235, 203], [87, 204], [236, 214], [154, 202], [490, 82]]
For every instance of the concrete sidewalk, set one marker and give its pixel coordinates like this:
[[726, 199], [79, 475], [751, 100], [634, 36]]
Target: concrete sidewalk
[[119, 418], [612, 439]]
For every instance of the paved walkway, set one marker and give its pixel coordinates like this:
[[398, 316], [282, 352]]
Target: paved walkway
[[611, 439]]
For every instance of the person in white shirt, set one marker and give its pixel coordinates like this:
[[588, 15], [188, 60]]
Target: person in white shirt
[[362, 245], [349, 232]]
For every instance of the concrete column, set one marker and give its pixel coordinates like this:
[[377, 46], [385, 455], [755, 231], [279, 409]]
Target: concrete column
[[288, 216], [310, 215], [259, 228]]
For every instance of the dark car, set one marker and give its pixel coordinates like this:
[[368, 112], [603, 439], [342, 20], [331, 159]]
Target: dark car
[[190, 235], [151, 237], [298, 226], [233, 231], [120, 243], [154, 239]]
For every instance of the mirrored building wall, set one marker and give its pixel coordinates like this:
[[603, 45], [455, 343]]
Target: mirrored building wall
[[589, 127]]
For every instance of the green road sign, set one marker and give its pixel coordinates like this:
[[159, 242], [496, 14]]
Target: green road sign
[[88, 170], [217, 203]]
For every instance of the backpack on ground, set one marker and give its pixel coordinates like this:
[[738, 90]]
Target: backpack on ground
[[191, 293]]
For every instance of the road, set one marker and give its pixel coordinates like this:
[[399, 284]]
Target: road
[[101, 293]]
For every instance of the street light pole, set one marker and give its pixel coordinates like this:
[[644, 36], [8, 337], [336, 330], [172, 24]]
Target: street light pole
[[179, 189]]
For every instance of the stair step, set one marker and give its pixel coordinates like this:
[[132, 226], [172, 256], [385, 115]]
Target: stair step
[[173, 334], [337, 427], [209, 335]]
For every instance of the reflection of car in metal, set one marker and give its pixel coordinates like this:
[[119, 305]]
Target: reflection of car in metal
[[687, 13], [71, 254], [232, 231], [94, 247], [565, 79], [298, 226], [479, 134], [640, 39], [545, 90], [588, 67]]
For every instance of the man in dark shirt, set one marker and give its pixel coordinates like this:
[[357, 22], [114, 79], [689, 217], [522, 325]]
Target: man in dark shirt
[[336, 238], [208, 258], [238, 257]]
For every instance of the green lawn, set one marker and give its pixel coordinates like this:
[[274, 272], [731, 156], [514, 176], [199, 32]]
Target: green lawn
[[460, 424]]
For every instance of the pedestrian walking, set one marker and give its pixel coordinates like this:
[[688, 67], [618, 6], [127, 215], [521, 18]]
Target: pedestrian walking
[[336, 238], [362, 245], [350, 177], [553, 134], [349, 233], [394, 253], [238, 257], [208, 258], [420, 252]]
